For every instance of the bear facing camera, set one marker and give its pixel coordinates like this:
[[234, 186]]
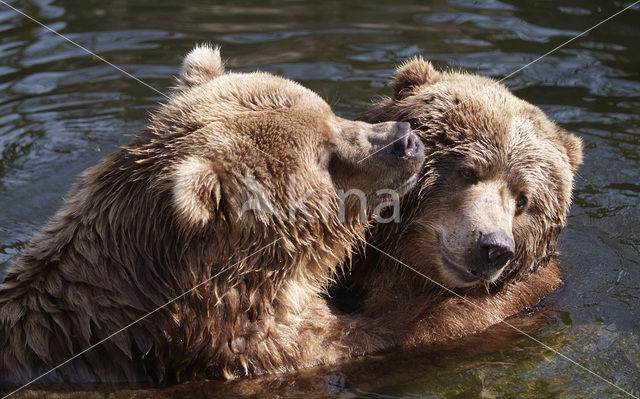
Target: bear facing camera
[[481, 226]]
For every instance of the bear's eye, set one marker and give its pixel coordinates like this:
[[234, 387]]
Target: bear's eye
[[521, 203], [469, 175]]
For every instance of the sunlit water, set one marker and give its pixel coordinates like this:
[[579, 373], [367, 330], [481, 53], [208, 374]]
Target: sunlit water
[[62, 109]]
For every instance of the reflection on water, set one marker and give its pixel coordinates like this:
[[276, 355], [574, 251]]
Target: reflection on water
[[62, 109]]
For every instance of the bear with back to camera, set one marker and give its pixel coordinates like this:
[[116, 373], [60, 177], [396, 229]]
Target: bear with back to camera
[[484, 218], [210, 237]]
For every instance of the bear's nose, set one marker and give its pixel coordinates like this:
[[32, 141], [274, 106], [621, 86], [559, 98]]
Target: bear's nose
[[405, 141], [495, 250]]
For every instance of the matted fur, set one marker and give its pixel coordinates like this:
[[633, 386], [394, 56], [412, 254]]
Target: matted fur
[[466, 121], [165, 213]]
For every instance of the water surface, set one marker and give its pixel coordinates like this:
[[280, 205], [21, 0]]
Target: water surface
[[62, 109]]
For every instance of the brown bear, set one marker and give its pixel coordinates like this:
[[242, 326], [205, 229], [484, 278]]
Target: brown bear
[[483, 221], [201, 248]]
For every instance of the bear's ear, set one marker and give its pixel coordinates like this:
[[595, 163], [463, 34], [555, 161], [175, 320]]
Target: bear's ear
[[573, 145], [201, 65], [413, 73], [196, 192]]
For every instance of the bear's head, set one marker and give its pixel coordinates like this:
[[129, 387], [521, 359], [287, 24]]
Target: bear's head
[[216, 222], [254, 157], [496, 185]]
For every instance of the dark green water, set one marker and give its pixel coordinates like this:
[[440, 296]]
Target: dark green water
[[62, 109]]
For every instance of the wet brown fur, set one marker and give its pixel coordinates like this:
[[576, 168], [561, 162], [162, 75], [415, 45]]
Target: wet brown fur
[[465, 121], [163, 215]]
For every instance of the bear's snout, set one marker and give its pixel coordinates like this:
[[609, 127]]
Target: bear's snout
[[405, 142], [495, 250]]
